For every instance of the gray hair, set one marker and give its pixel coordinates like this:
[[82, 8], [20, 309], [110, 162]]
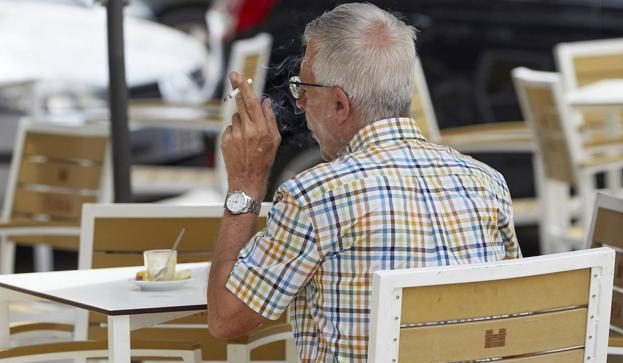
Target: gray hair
[[369, 53]]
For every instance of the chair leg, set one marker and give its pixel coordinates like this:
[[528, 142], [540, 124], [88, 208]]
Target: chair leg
[[43, 257], [7, 256], [555, 194], [238, 353], [193, 356], [292, 354], [586, 193]]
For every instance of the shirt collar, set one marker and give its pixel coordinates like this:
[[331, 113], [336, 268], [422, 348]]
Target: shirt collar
[[398, 128]]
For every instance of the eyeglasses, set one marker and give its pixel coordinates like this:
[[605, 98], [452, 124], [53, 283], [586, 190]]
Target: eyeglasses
[[295, 86]]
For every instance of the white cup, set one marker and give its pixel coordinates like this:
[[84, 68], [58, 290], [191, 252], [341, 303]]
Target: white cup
[[160, 264]]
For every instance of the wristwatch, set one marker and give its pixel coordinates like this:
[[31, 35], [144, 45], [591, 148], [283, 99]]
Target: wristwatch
[[238, 202]]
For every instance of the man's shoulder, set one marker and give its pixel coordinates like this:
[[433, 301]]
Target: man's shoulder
[[315, 181]]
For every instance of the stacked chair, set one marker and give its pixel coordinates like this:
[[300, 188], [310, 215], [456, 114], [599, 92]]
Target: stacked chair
[[566, 161]]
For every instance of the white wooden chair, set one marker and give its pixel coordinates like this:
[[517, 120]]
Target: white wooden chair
[[605, 232], [503, 137], [55, 169], [565, 159], [249, 57], [583, 63], [115, 235], [551, 308]]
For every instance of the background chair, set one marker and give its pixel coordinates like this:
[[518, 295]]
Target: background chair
[[605, 232], [249, 57], [566, 162], [117, 234], [55, 169], [585, 62], [502, 137], [551, 308]]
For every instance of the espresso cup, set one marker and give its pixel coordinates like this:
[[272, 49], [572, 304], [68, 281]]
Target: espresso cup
[[160, 264]]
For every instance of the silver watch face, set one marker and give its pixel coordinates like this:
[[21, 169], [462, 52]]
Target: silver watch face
[[236, 202]]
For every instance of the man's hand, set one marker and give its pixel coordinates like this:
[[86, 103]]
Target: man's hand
[[250, 143]]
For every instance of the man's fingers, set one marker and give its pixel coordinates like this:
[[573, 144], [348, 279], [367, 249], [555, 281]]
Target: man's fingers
[[236, 125], [269, 115], [251, 103]]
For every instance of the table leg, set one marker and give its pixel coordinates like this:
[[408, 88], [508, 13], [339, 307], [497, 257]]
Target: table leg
[[119, 338]]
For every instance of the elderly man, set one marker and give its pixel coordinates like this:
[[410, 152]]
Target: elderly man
[[385, 198]]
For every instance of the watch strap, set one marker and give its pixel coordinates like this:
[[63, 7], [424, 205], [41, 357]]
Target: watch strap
[[255, 207]]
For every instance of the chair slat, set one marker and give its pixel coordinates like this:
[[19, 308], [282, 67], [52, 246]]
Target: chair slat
[[251, 62], [58, 174], [568, 356], [63, 205], [494, 338], [590, 69], [214, 349], [616, 312], [120, 234], [607, 228], [106, 259], [495, 297], [618, 270], [72, 147], [66, 243]]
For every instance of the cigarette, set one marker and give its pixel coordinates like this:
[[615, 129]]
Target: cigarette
[[235, 92]]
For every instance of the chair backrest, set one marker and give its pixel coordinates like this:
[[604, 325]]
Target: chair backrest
[[551, 308], [585, 62], [55, 169], [558, 141], [116, 235], [250, 58], [606, 231], [422, 107]]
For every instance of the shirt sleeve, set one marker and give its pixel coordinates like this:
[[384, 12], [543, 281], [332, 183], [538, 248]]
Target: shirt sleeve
[[278, 261], [506, 225]]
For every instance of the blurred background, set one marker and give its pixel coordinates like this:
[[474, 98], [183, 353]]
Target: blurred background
[[53, 66]]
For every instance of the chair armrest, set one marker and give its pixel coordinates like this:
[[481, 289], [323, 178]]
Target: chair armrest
[[30, 228], [22, 328], [602, 163], [270, 334], [494, 137], [500, 128]]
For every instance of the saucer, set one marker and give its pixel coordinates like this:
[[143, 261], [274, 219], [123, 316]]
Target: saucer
[[159, 285]]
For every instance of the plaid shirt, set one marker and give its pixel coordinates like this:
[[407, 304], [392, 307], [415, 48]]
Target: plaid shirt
[[392, 201]]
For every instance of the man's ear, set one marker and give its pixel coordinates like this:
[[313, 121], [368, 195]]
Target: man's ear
[[342, 105]]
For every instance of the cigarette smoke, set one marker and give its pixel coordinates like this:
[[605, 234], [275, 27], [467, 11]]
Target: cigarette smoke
[[290, 120]]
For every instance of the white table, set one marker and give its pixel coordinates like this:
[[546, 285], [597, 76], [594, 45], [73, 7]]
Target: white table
[[108, 291], [606, 95]]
